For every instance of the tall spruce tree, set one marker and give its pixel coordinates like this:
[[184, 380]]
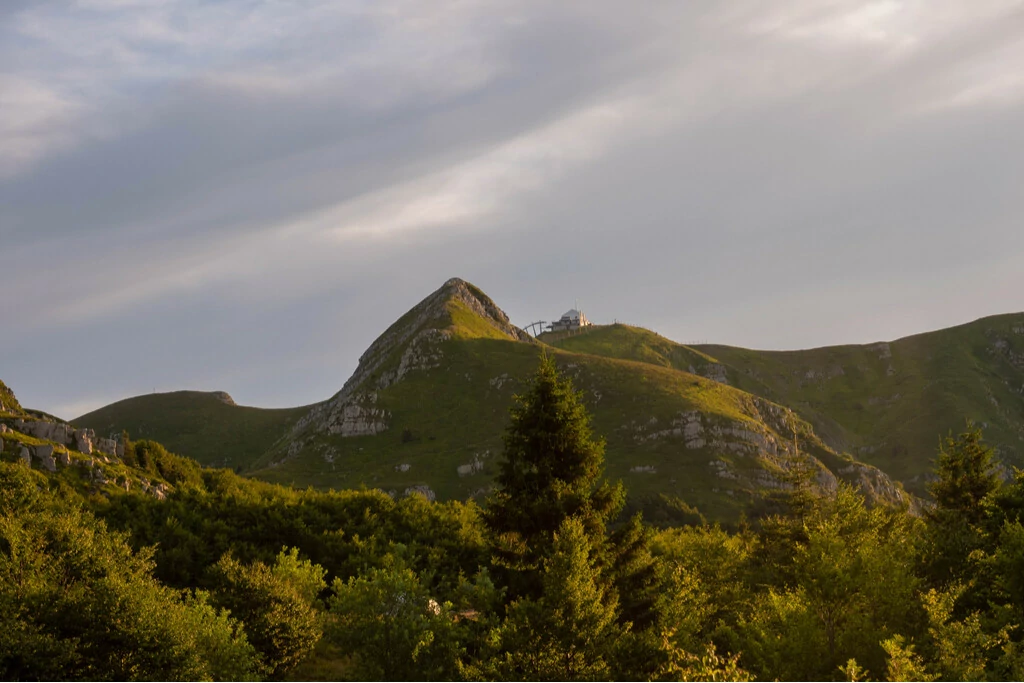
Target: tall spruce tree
[[966, 480], [552, 470]]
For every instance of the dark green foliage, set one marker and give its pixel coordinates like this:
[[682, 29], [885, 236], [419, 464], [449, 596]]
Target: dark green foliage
[[570, 632], [277, 605], [77, 603], [542, 585], [966, 476], [551, 471], [634, 574], [966, 480], [392, 627]]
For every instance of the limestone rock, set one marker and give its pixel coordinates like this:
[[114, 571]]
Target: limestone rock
[[357, 420], [404, 467], [83, 440], [25, 456], [108, 446], [44, 454], [64, 458]]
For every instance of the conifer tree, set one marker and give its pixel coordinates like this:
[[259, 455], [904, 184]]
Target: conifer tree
[[966, 479], [551, 471], [570, 631]]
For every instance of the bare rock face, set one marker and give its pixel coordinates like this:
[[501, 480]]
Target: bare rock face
[[423, 353], [25, 456], [716, 372], [50, 431], [83, 440], [357, 420], [224, 397], [64, 458], [108, 446], [44, 454]]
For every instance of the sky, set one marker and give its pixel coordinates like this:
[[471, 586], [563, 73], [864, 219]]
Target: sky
[[240, 195]]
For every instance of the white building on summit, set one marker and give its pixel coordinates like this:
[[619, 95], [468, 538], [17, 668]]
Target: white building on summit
[[571, 320]]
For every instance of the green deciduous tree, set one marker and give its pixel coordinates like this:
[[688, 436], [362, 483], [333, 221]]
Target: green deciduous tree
[[392, 627], [276, 604], [77, 603], [848, 584]]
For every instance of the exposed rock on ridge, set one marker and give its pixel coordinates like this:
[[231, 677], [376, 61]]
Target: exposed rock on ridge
[[418, 336], [423, 324]]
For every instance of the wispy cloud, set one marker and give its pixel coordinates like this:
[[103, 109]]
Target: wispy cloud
[[169, 162]]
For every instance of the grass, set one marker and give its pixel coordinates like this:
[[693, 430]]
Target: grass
[[197, 424], [450, 415], [887, 404]]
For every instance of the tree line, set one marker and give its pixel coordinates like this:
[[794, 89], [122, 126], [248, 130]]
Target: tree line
[[234, 579]]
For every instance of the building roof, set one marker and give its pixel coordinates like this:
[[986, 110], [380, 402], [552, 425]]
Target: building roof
[[572, 314]]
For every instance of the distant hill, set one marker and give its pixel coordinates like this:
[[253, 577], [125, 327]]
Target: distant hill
[[427, 406], [717, 426], [887, 402], [206, 426]]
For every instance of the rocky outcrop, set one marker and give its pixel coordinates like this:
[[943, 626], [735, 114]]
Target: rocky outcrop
[[698, 430], [83, 440], [874, 483], [44, 454], [352, 416], [423, 323], [224, 397], [25, 455], [422, 353], [713, 371]]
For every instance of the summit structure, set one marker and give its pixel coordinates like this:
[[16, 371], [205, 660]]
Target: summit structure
[[571, 320]]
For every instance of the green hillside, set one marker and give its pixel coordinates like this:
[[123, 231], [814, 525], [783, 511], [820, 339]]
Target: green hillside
[[9, 402], [430, 412], [427, 405], [206, 426], [886, 402]]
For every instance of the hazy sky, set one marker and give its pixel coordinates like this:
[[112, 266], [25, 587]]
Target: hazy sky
[[242, 194]]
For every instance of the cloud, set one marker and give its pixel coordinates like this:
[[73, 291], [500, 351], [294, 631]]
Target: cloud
[[300, 174]]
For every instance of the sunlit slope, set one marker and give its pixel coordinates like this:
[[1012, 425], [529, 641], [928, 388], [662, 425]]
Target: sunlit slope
[[205, 426], [887, 403], [430, 412]]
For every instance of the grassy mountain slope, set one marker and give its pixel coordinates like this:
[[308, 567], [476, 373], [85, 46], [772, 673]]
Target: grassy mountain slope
[[9, 404], [886, 402], [429, 402], [206, 426]]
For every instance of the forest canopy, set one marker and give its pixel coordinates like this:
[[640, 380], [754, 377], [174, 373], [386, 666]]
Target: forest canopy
[[546, 579]]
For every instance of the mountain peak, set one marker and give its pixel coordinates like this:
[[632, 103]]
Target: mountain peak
[[456, 309]]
